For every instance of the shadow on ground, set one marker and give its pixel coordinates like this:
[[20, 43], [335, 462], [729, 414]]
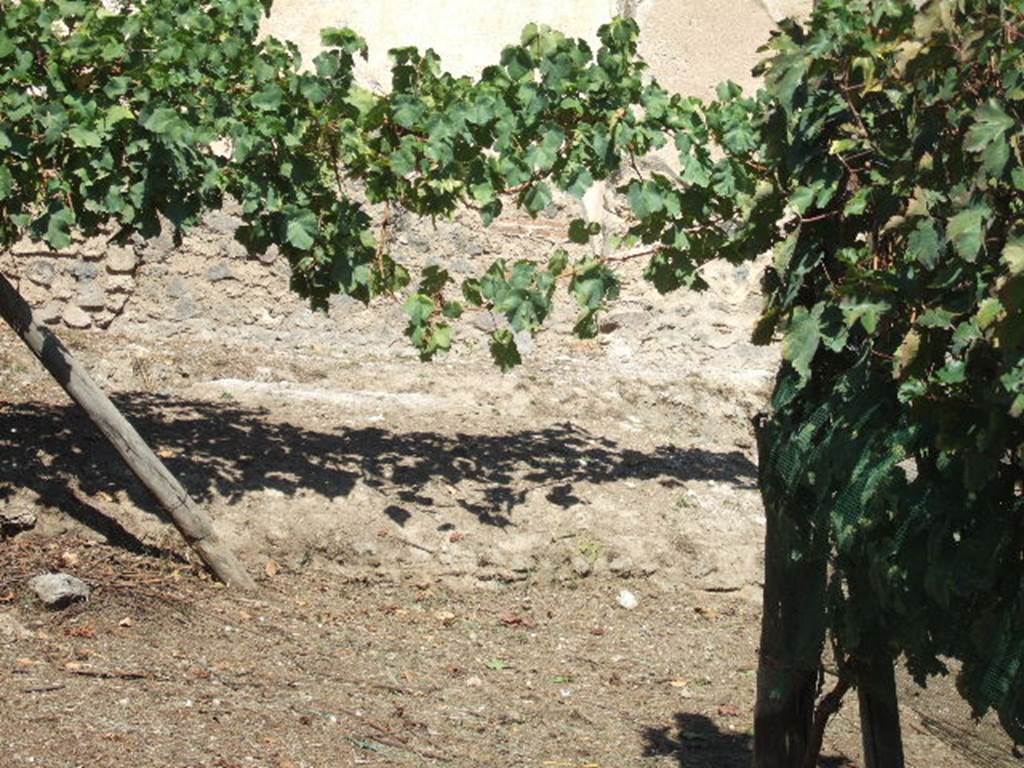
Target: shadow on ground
[[230, 450], [696, 742]]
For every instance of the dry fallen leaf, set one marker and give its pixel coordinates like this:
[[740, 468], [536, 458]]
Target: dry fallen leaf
[[69, 558], [272, 568], [456, 537], [125, 622], [728, 710], [514, 620], [198, 673], [88, 631]]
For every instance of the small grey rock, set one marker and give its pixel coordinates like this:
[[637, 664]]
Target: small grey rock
[[342, 302], [222, 222], [177, 288], [157, 249], [41, 273], [76, 317], [628, 319], [104, 319], [270, 255], [11, 629], [116, 302], [581, 566], [16, 520], [235, 250], [50, 313], [121, 284], [91, 297], [628, 600], [220, 272], [59, 590], [483, 321], [85, 270], [525, 342], [186, 309], [621, 566], [121, 259]]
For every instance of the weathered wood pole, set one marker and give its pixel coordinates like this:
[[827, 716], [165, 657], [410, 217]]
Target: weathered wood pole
[[193, 523]]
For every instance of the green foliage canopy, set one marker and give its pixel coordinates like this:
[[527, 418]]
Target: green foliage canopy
[[897, 138]]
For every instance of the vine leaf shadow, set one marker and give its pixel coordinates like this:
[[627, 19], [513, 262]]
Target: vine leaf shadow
[[695, 741], [227, 450]]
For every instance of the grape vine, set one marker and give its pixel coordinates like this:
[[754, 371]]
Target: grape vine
[[882, 163]]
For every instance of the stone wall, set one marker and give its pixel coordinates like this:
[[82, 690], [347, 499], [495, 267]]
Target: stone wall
[[80, 289]]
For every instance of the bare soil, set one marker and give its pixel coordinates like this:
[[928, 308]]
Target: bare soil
[[442, 549]]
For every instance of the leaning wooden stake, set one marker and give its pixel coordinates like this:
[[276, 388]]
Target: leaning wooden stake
[[193, 523]]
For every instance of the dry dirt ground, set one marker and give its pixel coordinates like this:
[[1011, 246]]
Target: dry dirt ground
[[442, 549]]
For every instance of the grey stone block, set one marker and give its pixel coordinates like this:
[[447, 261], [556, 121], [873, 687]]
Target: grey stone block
[[121, 259], [76, 317]]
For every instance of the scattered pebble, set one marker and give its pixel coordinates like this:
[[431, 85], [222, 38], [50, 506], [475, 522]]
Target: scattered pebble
[[628, 600], [11, 629], [59, 590]]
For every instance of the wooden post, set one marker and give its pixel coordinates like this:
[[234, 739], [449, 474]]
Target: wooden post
[[879, 714], [193, 523]]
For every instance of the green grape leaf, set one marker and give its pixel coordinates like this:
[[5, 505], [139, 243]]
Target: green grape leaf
[[987, 136], [302, 230], [966, 230], [1013, 255], [504, 350], [419, 308], [924, 244], [802, 339], [537, 197]]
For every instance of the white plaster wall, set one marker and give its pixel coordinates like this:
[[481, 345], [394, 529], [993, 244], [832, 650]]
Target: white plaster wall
[[467, 34], [691, 44]]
